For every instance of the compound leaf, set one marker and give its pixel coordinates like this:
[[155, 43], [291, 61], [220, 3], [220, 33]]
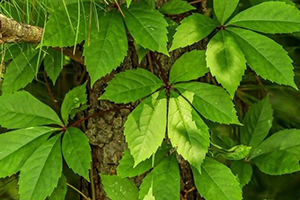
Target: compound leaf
[[126, 165], [211, 101], [53, 63], [119, 188], [216, 181], [269, 17], [192, 29], [131, 85], [17, 146], [21, 110], [242, 170], [60, 191], [41, 172], [267, 58], [187, 132], [257, 123], [189, 66], [226, 60], [73, 99], [67, 26], [147, 26], [176, 7], [145, 127], [224, 9], [20, 71], [109, 43], [164, 180], [77, 151]]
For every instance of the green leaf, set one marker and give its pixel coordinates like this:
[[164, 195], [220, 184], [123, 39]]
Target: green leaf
[[189, 66], [145, 127], [67, 26], [187, 132], [255, 2], [277, 162], [224, 9], [126, 165], [73, 99], [128, 2], [216, 181], [176, 7], [118, 188], [60, 191], [164, 180], [147, 26], [77, 151], [269, 60], [21, 110], [269, 17], [17, 146], [226, 61], [141, 51], [211, 101], [257, 123], [237, 152], [131, 85], [41, 172], [109, 43], [285, 140], [149, 195], [53, 64], [192, 29], [20, 71], [242, 170]]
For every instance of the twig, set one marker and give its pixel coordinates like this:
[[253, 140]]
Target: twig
[[150, 62], [74, 188], [164, 77], [119, 8]]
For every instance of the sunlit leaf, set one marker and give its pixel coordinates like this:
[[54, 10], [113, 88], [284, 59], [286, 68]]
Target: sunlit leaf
[[17, 146], [131, 85], [224, 9], [21, 110], [176, 7], [41, 172], [77, 151]]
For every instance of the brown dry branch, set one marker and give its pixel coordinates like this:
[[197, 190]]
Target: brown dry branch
[[12, 31]]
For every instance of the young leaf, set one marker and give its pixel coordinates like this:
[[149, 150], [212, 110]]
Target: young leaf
[[242, 170], [20, 71], [40, 174], [21, 110], [64, 28], [216, 181], [269, 17], [187, 132], [73, 99], [145, 127], [277, 162], [257, 123], [226, 61], [164, 180], [128, 2], [149, 195], [77, 151], [176, 7], [131, 85], [237, 152], [193, 29], [224, 9], [60, 191], [118, 188], [269, 60], [147, 26], [53, 64], [17, 146], [285, 140], [189, 66], [126, 165], [109, 43], [211, 101]]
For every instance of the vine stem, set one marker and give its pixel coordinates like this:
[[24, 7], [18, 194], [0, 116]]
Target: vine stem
[[164, 77], [74, 188]]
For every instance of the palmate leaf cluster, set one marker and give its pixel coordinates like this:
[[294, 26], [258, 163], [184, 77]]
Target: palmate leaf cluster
[[172, 119]]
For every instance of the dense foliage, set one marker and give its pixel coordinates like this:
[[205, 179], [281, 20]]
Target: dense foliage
[[179, 115]]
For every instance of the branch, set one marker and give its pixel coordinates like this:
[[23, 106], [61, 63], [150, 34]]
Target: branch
[[13, 31]]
